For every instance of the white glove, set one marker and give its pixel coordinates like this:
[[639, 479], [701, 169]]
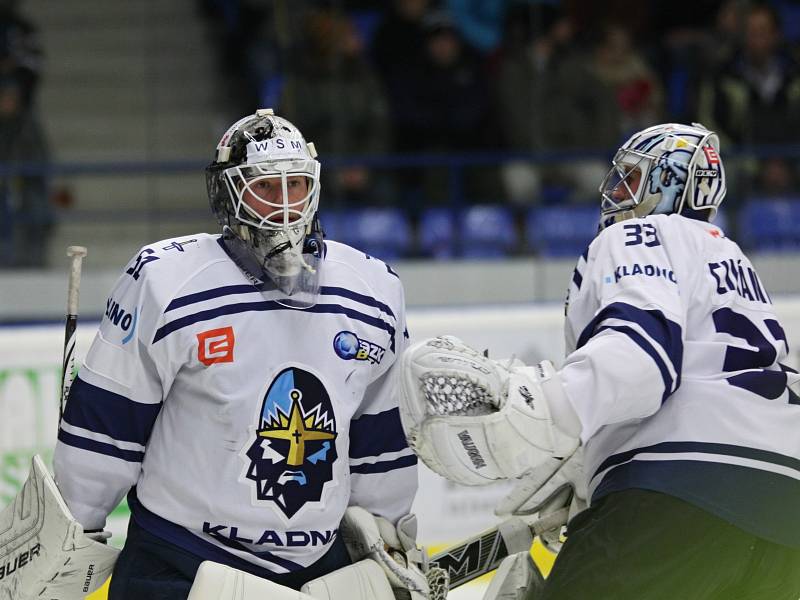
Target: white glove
[[555, 484], [474, 420]]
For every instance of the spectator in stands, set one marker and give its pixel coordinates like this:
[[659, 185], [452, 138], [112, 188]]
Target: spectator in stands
[[399, 40], [602, 96], [26, 216], [536, 41], [754, 99], [334, 91], [443, 105], [480, 22]]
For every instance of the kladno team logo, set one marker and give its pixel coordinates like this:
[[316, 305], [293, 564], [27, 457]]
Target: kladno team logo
[[292, 455]]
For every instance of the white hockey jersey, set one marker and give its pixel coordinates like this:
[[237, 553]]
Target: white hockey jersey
[[674, 367], [245, 426]]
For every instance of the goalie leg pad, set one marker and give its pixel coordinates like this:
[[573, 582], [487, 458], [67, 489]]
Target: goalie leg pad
[[43, 550], [364, 580], [215, 581], [517, 578], [475, 420]]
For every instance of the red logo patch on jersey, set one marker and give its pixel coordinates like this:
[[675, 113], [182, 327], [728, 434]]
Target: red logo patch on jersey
[[711, 155], [714, 232], [215, 346]]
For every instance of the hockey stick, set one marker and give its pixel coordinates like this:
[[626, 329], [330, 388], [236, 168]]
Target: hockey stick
[[485, 551], [76, 253]]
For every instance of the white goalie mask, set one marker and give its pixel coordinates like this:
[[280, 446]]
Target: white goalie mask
[[664, 169], [264, 189]]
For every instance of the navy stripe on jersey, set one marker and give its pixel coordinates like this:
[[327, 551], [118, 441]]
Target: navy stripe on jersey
[[663, 331], [98, 410], [385, 466], [227, 290], [645, 345], [704, 448], [327, 290], [373, 435], [83, 443], [175, 534], [759, 502], [577, 278], [232, 290], [265, 305]]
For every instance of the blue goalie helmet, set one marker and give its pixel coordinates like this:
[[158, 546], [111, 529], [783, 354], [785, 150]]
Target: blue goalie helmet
[[664, 169]]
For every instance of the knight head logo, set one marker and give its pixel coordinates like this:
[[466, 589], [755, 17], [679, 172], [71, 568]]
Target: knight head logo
[[292, 455]]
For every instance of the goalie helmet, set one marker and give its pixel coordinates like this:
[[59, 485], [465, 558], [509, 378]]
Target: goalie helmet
[[263, 186], [664, 169]]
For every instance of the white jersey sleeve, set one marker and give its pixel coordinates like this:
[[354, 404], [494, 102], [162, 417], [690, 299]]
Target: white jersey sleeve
[[114, 401], [624, 328], [383, 469]]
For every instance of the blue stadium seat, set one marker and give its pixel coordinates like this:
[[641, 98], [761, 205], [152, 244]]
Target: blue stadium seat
[[437, 233], [487, 231], [770, 224], [561, 231], [384, 233]]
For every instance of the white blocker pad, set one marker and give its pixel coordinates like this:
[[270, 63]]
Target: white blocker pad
[[215, 581], [43, 550]]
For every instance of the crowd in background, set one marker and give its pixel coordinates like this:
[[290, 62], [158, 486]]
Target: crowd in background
[[26, 214], [418, 104], [555, 79]]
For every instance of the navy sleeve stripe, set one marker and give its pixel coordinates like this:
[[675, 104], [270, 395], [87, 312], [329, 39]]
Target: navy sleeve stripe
[[662, 330], [645, 345], [704, 448], [227, 290], [265, 305], [93, 408], [99, 447], [385, 466], [373, 435], [351, 295]]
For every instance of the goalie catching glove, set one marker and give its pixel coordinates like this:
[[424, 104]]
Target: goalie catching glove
[[475, 420]]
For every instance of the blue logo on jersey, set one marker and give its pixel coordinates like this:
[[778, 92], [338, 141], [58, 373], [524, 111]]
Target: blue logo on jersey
[[636, 269], [349, 346], [292, 456], [121, 318]]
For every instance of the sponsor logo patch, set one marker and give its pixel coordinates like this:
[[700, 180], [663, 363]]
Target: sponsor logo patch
[[349, 346], [215, 346]]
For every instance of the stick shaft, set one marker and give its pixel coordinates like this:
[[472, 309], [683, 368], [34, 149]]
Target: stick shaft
[[76, 254]]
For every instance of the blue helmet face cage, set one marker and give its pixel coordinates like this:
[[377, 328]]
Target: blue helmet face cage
[[665, 169]]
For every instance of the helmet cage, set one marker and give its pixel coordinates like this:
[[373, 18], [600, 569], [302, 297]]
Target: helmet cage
[[283, 213]]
